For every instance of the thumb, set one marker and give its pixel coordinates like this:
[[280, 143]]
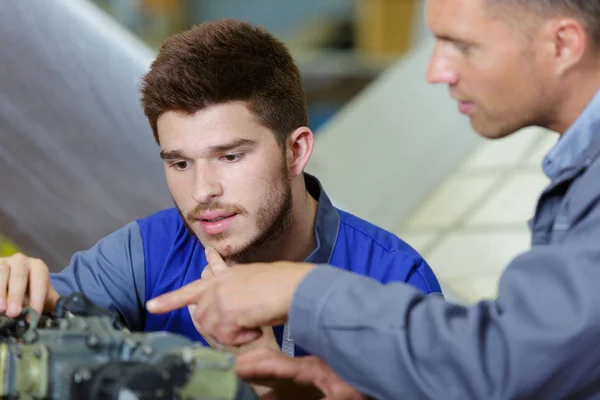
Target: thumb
[[191, 310], [215, 262]]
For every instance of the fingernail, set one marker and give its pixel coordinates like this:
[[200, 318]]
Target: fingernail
[[150, 304], [2, 304]]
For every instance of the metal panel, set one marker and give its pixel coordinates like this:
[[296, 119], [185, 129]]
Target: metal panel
[[77, 157]]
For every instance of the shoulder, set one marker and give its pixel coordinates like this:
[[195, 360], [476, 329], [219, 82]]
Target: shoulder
[[360, 232], [166, 220], [366, 249], [163, 231]]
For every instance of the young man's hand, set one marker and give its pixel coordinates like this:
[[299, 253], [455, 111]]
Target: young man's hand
[[215, 266], [25, 281], [234, 304]]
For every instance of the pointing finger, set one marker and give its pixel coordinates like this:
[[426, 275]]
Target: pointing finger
[[179, 298], [215, 262]]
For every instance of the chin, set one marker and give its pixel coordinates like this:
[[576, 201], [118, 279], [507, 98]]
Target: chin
[[226, 249], [491, 132]]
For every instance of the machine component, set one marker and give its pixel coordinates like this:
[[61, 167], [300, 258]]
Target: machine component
[[82, 351]]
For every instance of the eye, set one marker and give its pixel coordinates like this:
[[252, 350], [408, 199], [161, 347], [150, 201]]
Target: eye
[[180, 165], [464, 48], [231, 158]]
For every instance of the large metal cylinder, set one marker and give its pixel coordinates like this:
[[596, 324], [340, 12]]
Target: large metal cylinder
[[77, 156]]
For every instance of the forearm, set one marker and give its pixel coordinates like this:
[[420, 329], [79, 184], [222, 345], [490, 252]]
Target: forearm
[[393, 342], [111, 274]]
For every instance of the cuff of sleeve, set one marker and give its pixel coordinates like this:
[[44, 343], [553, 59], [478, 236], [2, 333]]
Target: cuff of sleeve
[[307, 305]]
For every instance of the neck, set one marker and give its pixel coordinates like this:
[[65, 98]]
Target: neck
[[579, 89], [298, 242]]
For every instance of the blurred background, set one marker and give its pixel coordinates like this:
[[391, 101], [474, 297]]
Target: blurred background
[[77, 157]]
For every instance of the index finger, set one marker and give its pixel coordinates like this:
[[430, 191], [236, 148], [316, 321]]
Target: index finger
[[179, 298], [265, 363], [39, 280], [215, 262]]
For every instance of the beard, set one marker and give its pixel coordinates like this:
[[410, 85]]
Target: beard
[[273, 221]]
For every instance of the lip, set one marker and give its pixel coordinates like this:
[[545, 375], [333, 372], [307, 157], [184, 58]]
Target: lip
[[213, 214], [466, 107], [216, 227]]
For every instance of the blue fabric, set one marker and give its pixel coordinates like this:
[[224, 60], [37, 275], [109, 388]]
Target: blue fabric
[[574, 142], [175, 258]]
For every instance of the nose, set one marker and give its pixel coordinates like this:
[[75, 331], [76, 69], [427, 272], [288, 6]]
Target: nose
[[440, 69], [206, 185]]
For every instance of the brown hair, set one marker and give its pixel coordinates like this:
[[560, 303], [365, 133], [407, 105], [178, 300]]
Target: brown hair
[[221, 61], [586, 11]]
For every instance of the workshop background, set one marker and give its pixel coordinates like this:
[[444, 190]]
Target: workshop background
[[77, 157]]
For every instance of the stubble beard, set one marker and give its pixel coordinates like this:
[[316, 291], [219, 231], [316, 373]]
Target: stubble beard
[[272, 225]]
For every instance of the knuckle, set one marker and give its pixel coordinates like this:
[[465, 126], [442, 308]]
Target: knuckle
[[213, 329], [38, 264], [19, 257], [222, 333]]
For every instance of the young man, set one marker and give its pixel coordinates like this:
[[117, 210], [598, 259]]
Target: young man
[[509, 64], [227, 108]]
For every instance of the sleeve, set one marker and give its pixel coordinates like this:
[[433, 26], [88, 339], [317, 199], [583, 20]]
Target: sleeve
[[423, 278], [538, 339], [111, 274]]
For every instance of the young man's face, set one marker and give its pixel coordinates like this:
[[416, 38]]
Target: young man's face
[[500, 77], [228, 176]]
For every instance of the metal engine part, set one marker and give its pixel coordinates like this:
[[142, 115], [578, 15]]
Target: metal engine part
[[84, 352]]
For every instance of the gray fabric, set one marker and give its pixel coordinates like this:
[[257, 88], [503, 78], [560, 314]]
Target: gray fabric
[[327, 222], [574, 142], [538, 339], [111, 273]]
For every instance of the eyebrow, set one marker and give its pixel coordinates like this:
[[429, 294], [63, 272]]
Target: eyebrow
[[221, 148], [225, 147], [171, 155], [451, 39]]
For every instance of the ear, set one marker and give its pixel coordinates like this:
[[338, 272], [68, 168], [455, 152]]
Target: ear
[[299, 147], [569, 40]]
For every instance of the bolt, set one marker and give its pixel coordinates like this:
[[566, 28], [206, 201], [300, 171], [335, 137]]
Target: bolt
[[37, 352], [130, 343], [85, 374], [92, 340], [187, 356], [81, 375]]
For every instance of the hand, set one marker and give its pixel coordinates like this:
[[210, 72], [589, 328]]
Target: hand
[[294, 378], [25, 281], [215, 266], [234, 304]]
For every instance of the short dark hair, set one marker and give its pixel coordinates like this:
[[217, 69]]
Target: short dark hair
[[222, 61], [586, 11]]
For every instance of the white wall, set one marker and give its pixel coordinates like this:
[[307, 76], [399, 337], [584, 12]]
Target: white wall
[[384, 152]]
